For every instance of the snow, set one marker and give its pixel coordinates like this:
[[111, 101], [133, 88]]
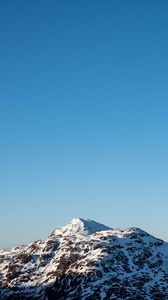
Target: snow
[[82, 227]]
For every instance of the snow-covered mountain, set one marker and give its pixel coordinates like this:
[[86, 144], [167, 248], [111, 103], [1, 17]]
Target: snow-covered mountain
[[87, 260]]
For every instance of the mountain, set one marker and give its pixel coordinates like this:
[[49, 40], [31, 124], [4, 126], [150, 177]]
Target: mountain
[[89, 261]]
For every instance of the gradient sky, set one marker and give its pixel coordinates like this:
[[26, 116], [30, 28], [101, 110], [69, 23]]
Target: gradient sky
[[83, 115]]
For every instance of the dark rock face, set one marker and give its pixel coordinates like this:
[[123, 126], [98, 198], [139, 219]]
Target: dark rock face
[[77, 262]]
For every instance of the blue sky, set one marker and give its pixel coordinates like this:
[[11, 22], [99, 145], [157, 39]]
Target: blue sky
[[83, 115]]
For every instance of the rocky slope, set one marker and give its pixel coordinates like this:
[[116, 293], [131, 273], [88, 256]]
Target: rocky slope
[[87, 260]]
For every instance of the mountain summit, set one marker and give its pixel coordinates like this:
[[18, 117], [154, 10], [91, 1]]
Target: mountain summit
[[88, 261], [82, 227]]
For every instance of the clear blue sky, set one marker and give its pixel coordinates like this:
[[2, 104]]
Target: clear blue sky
[[83, 115]]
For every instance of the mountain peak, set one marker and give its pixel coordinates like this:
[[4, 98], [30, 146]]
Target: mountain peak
[[91, 260], [81, 226]]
